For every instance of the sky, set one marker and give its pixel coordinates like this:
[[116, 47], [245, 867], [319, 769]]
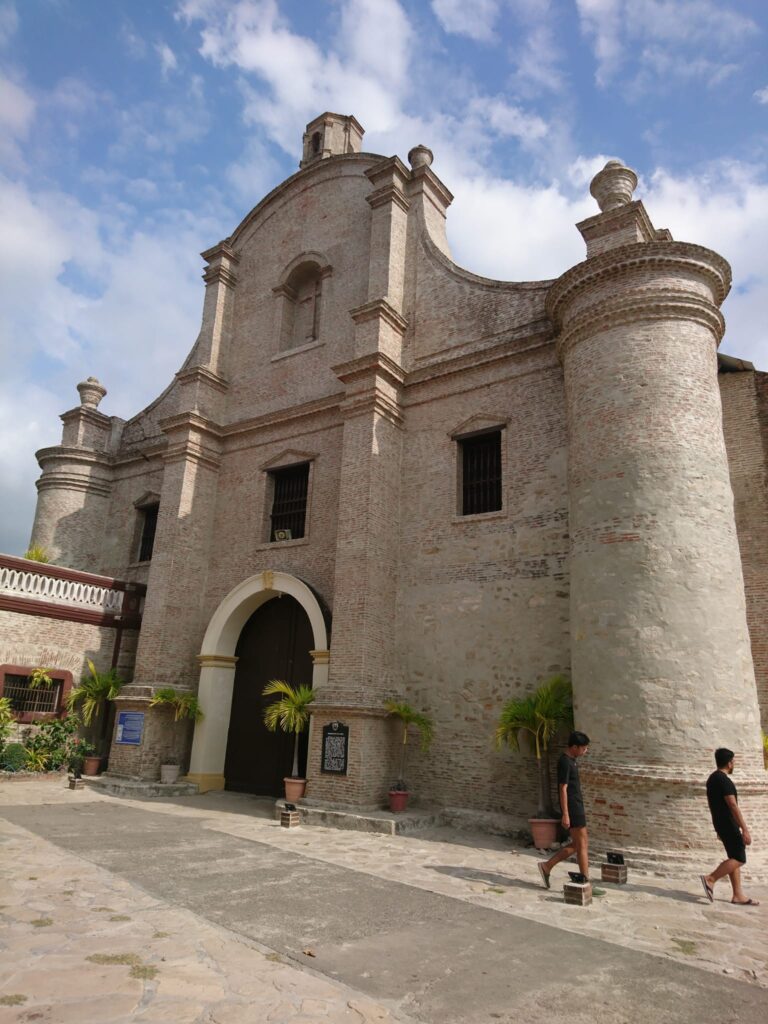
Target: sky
[[136, 133]]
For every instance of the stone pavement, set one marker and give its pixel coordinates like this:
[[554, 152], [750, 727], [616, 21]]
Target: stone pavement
[[203, 909]]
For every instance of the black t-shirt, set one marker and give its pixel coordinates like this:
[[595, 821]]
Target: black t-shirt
[[568, 775], [719, 786]]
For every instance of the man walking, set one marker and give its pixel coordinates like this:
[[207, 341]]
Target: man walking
[[731, 829], [571, 807]]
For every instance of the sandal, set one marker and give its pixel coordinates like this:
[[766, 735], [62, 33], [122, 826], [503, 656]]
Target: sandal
[[544, 875], [745, 903], [707, 889]]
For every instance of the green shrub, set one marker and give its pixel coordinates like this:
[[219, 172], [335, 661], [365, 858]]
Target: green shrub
[[13, 758], [53, 742], [6, 720], [36, 553]]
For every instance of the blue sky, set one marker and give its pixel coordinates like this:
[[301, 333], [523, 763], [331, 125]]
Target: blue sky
[[135, 134]]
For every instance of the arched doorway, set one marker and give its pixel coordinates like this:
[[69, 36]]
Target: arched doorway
[[275, 643], [218, 661]]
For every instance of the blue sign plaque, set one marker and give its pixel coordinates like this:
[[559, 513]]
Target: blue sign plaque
[[130, 727]]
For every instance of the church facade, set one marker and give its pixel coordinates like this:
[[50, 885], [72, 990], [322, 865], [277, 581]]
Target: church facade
[[386, 476]]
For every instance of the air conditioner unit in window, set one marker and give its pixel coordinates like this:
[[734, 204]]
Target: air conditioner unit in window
[[283, 535]]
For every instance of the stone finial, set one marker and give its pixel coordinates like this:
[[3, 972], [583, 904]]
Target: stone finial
[[613, 186], [91, 392], [420, 156]]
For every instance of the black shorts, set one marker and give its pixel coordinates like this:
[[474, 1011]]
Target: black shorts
[[577, 817], [733, 842]]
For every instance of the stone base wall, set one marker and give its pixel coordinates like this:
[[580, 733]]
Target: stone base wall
[[163, 741], [371, 767]]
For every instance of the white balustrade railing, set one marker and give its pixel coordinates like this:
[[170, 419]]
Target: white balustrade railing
[[40, 587]]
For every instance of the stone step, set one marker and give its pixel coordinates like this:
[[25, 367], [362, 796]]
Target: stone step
[[121, 785], [382, 822]]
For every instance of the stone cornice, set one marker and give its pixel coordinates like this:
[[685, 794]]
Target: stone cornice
[[190, 421], [611, 221], [279, 417], [372, 401], [86, 412], [621, 262], [424, 179], [203, 375], [374, 363], [379, 309], [388, 194], [639, 306]]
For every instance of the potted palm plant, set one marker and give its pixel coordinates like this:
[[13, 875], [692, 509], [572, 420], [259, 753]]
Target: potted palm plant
[[92, 696], [540, 715], [185, 706], [291, 714], [399, 793]]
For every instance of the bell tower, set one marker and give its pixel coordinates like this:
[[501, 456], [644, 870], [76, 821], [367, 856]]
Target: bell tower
[[331, 135]]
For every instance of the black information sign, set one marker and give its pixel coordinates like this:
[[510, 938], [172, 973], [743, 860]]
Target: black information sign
[[335, 748]]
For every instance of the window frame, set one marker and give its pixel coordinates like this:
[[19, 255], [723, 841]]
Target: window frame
[[60, 676], [469, 435]]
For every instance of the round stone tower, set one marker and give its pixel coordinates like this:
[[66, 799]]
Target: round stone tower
[[661, 660], [76, 481]]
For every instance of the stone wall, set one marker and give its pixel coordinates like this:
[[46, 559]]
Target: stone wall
[[745, 423]]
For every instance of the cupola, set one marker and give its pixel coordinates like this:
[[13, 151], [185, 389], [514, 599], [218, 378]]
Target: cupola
[[331, 135]]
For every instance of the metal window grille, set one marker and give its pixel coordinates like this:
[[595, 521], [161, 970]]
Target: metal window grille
[[481, 473], [148, 530], [25, 698], [289, 505]]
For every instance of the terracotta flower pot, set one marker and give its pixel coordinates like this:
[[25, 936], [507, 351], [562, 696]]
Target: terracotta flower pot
[[544, 831], [294, 788], [91, 765], [398, 800]]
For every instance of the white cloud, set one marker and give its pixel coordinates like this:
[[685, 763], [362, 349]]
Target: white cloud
[[85, 293], [680, 29], [17, 111], [167, 57], [9, 22], [476, 20], [761, 95]]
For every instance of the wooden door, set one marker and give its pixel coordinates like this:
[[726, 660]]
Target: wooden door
[[274, 644]]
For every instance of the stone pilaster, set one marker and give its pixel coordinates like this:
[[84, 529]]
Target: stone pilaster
[[173, 623], [363, 667], [661, 660]]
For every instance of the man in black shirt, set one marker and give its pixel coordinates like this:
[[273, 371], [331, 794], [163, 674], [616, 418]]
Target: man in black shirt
[[572, 808], [730, 827]]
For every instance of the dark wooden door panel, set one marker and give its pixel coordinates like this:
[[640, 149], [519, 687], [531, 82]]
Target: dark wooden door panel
[[274, 644]]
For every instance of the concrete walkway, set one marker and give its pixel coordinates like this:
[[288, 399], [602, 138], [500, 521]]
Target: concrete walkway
[[203, 909]]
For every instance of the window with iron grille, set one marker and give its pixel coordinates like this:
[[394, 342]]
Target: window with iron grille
[[289, 503], [481, 473], [26, 699], [148, 530]]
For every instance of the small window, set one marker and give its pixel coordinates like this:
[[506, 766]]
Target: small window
[[34, 703], [148, 530], [289, 504], [315, 143], [481, 473]]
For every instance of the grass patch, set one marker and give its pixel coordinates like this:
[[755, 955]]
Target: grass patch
[[41, 922], [119, 917], [686, 946], [131, 959], [161, 935], [145, 971], [103, 910], [67, 892], [274, 957], [493, 888], [15, 999]]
